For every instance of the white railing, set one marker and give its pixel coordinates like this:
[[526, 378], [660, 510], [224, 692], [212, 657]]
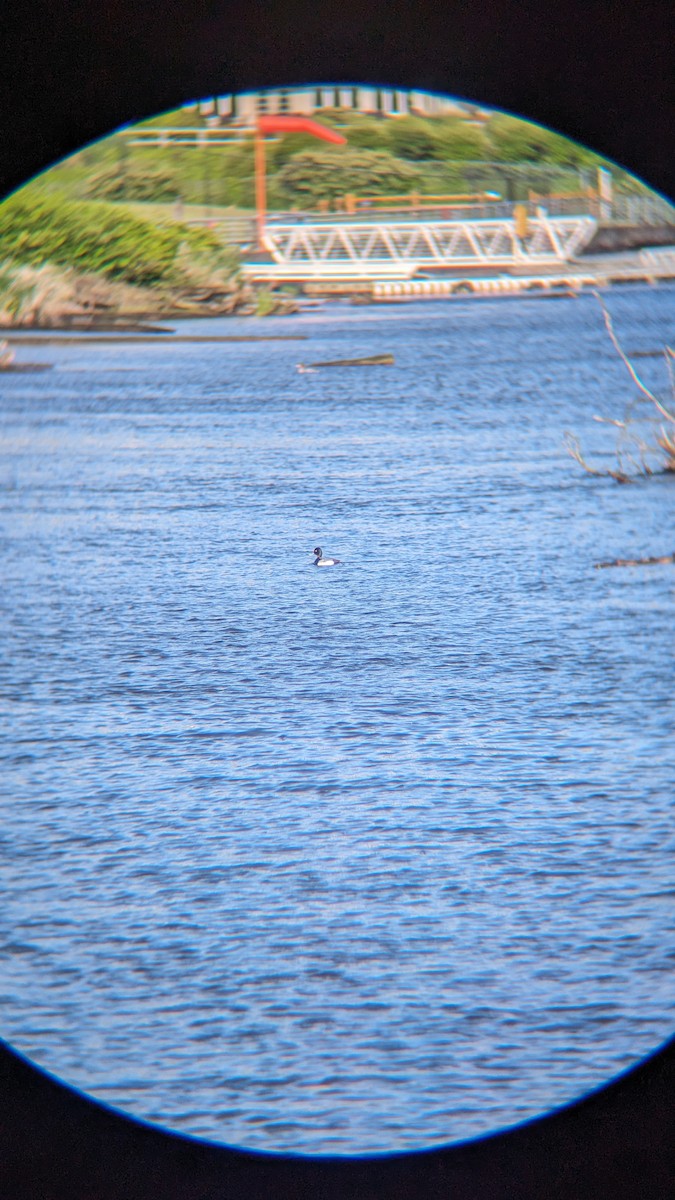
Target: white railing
[[414, 244], [174, 136]]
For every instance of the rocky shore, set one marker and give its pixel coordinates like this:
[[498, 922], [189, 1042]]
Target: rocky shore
[[50, 297]]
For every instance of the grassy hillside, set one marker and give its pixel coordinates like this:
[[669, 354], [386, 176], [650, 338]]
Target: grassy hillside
[[112, 210], [430, 155]]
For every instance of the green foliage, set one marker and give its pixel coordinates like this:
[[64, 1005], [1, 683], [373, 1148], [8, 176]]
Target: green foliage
[[234, 173], [37, 228], [206, 267], [365, 133], [278, 153], [221, 175], [265, 303], [132, 184], [411, 138], [458, 141], [188, 117], [316, 175], [514, 140]]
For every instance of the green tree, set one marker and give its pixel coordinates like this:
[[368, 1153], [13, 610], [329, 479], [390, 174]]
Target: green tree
[[316, 175], [278, 153], [412, 139]]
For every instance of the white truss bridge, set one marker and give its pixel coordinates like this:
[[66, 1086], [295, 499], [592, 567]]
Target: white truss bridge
[[377, 250]]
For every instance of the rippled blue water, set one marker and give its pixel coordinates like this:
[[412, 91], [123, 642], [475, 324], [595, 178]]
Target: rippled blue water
[[350, 860]]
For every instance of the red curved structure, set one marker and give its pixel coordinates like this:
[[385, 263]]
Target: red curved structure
[[282, 124], [299, 125]]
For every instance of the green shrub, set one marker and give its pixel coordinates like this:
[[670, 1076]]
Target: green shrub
[[412, 139], [36, 228], [131, 184], [316, 175]]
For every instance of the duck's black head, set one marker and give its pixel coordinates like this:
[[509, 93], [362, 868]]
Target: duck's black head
[[317, 551]]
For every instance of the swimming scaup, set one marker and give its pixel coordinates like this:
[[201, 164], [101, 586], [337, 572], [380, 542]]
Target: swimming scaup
[[320, 561]]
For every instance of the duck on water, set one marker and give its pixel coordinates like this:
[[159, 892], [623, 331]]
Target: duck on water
[[320, 561]]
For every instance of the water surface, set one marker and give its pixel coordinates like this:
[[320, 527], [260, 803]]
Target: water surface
[[351, 860]]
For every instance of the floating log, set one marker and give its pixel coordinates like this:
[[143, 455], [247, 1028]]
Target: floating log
[[28, 366], [373, 360], [637, 562]]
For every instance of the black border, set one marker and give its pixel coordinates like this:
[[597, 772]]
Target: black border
[[600, 72], [617, 1143]]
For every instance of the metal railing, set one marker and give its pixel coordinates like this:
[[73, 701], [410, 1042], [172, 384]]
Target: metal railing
[[443, 243]]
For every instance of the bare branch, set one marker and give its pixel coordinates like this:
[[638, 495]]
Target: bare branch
[[609, 421], [628, 364], [573, 448]]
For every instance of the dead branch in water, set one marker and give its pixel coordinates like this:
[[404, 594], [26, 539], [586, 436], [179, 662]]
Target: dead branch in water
[[627, 439], [637, 562], [573, 448], [609, 325], [665, 439]]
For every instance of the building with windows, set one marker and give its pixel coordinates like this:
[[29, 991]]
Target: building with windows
[[242, 109]]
